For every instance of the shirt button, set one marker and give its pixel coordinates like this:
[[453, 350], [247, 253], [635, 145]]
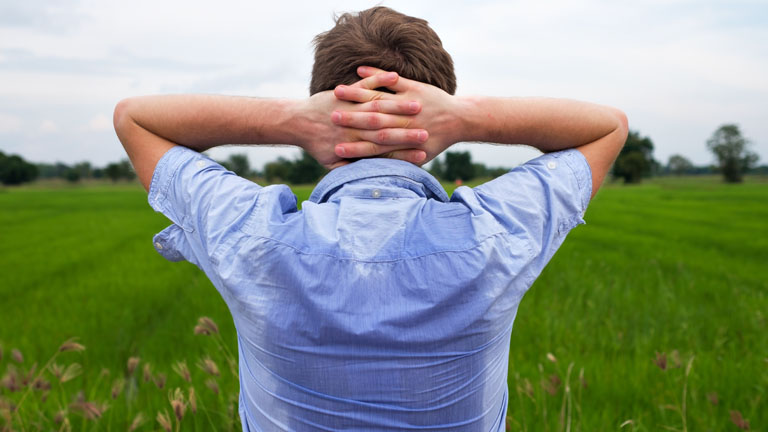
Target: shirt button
[[200, 164], [375, 193], [158, 246], [551, 165]]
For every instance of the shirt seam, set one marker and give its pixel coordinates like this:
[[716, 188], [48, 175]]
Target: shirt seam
[[528, 249]]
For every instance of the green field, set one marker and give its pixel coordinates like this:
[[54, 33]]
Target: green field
[[673, 269]]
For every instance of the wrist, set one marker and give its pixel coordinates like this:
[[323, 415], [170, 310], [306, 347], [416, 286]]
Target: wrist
[[290, 125], [302, 123], [471, 122]]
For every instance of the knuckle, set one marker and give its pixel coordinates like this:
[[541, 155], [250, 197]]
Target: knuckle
[[382, 135], [373, 120]]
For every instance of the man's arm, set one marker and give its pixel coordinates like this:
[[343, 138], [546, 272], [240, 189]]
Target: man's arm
[[597, 131], [151, 125]]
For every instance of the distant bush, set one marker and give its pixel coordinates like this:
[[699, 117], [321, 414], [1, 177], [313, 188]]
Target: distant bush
[[14, 170]]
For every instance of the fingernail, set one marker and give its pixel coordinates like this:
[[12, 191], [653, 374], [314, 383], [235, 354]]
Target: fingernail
[[422, 136], [420, 157], [340, 91], [336, 117], [391, 75], [340, 151], [413, 106]]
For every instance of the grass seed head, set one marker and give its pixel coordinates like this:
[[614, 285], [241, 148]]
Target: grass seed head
[[712, 397], [551, 357], [89, 410], [661, 360], [192, 398], [206, 326], [209, 366], [164, 420], [212, 385], [117, 387], [147, 372], [71, 345], [41, 384], [17, 356], [178, 405], [71, 372], [137, 422], [57, 370], [60, 416], [182, 370], [133, 363], [739, 421], [160, 380], [11, 380]]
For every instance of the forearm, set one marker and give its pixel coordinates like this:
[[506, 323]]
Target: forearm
[[204, 121], [546, 124]]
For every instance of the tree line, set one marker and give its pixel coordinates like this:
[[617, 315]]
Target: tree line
[[730, 148], [15, 170], [635, 162]]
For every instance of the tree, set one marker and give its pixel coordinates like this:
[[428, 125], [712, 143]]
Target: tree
[[72, 175], [300, 171], [437, 169], [120, 170], [278, 170], [15, 170], [458, 166], [238, 163], [635, 160], [732, 153], [679, 165], [305, 170]]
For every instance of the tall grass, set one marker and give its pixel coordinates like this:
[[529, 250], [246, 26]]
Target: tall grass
[[65, 396], [651, 317]]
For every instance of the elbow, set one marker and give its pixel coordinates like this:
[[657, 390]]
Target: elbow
[[121, 116], [622, 123], [621, 129]]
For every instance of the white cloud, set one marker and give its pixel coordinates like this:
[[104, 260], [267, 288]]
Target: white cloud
[[9, 123], [48, 126], [100, 122]]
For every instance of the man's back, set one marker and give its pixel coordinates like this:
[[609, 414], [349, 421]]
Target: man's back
[[381, 305]]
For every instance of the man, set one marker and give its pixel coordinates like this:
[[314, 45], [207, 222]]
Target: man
[[383, 304]]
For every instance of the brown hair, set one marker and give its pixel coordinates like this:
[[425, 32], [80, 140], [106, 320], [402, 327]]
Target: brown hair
[[382, 38]]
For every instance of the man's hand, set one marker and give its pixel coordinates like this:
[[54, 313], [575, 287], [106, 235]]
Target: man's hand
[[438, 115], [597, 131], [383, 126]]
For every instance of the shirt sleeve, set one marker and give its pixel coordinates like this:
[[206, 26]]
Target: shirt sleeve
[[206, 203], [540, 201]]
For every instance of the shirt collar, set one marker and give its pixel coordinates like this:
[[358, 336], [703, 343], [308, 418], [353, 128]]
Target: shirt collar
[[420, 182]]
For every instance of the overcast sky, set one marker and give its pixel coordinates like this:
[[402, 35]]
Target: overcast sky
[[678, 68]]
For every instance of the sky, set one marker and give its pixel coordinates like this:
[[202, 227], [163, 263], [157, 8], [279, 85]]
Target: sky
[[679, 69]]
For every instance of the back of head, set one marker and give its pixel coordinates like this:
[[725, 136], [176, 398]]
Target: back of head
[[382, 38]]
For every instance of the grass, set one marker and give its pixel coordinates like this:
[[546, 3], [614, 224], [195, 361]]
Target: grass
[[670, 273]]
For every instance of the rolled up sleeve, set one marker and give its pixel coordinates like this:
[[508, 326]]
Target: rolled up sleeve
[[541, 201], [206, 203]]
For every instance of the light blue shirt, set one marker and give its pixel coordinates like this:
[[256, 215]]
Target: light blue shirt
[[383, 304]]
